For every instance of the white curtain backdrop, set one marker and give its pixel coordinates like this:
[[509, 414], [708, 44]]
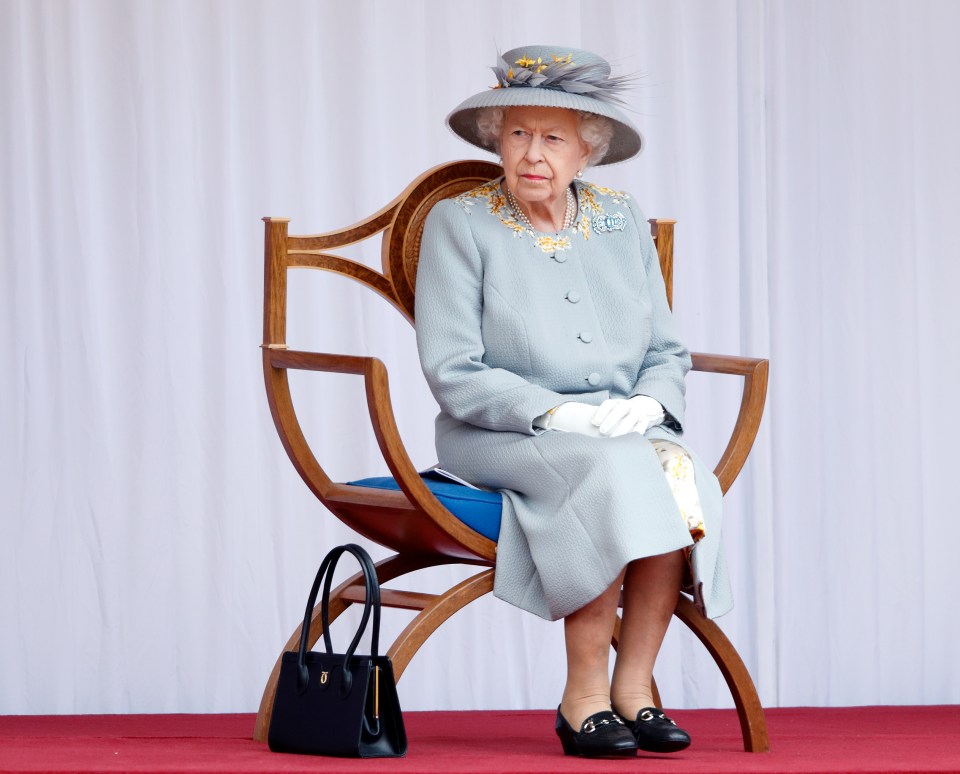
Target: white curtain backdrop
[[156, 545]]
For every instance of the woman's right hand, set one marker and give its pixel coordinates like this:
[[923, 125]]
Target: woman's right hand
[[618, 416], [613, 417]]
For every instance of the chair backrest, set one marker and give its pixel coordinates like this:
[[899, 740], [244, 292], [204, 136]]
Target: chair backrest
[[401, 222]]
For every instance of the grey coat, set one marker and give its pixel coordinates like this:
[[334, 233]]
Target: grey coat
[[511, 323]]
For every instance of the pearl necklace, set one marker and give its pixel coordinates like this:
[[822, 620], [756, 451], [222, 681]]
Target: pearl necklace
[[568, 215]]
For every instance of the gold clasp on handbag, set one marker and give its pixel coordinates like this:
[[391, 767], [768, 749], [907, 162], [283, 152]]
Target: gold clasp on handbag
[[323, 678]]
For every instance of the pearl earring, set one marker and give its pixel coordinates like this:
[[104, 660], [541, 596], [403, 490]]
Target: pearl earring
[[580, 173]]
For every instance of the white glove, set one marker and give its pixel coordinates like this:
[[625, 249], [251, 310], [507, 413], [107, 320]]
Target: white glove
[[570, 417], [618, 416]]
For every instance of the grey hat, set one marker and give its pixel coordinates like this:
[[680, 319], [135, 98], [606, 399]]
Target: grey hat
[[554, 76]]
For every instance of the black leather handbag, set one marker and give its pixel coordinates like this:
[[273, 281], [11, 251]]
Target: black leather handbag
[[338, 704]]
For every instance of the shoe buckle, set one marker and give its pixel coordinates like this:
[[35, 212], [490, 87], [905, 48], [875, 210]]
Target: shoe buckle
[[647, 716], [589, 726]]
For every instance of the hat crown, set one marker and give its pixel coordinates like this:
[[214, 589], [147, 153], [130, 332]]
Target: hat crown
[[547, 55]]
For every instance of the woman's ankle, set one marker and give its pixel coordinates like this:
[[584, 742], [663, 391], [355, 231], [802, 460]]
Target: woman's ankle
[[577, 709], [627, 703]]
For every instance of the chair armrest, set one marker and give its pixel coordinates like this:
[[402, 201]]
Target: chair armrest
[[298, 360], [754, 371], [402, 468], [384, 423]]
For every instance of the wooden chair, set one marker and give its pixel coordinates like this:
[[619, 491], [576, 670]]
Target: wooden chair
[[412, 522]]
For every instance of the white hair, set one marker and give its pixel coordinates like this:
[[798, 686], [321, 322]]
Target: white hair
[[596, 131]]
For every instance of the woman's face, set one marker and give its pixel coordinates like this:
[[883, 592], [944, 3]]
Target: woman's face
[[542, 152]]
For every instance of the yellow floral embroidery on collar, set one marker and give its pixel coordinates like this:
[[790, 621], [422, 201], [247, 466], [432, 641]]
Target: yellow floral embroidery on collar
[[552, 244], [618, 197], [496, 205], [589, 208]]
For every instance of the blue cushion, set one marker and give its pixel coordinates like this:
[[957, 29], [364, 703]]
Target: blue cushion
[[476, 508]]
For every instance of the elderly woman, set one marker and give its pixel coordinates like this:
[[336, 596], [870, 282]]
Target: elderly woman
[[546, 338]]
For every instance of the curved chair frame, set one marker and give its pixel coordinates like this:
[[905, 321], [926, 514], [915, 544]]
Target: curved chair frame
[[412, 522]]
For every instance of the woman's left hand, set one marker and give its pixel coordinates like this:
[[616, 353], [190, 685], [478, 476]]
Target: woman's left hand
[[618, 416]]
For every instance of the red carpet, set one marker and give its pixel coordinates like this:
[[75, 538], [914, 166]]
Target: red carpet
[[853, 739]]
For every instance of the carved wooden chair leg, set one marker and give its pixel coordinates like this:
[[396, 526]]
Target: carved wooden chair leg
[[753, 724], [438, 610]]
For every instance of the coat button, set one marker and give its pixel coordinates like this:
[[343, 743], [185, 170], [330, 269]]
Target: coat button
[[594, 379], [573, 297], [559, 257], [586, 337]]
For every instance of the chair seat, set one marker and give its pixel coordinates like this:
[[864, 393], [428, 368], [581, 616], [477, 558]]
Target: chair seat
[[478, 509]]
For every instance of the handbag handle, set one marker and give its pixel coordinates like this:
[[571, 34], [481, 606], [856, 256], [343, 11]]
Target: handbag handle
[[371, 601]]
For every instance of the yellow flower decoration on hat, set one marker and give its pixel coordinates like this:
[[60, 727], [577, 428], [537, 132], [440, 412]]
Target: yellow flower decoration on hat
[[528, 63], [561, 73]]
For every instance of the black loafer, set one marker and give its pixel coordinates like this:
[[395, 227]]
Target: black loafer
[[602, 735], [655, 732]]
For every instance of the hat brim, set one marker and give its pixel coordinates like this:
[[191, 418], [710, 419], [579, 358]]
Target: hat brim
[[626, 142]]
